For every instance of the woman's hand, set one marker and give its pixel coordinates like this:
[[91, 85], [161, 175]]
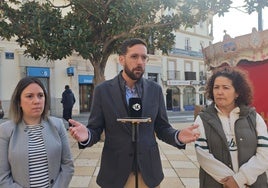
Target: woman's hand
[[229, 182]]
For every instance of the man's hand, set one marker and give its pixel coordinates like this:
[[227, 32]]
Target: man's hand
[[229, 182], [78, 131], [189, 134]]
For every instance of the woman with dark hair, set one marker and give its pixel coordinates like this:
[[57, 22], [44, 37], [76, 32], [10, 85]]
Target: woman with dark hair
[[34, 147], [232, 149]]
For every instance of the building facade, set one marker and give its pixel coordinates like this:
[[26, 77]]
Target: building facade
[[74, 71], [181, 74], [184, 70]]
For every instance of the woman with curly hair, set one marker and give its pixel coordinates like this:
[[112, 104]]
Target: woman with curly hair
[[232, 148]]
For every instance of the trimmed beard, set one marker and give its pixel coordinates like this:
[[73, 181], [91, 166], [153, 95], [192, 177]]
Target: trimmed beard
[[132, 75]]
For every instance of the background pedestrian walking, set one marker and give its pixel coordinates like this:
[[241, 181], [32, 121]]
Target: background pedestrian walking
[[67, 101]]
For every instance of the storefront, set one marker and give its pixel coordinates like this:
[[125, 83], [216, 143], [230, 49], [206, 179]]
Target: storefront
[[85, 92], [42, 73]]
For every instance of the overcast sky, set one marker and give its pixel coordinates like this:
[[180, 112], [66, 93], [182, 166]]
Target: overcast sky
[[237, 23]]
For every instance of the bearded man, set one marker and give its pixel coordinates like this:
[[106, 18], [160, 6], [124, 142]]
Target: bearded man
[[110, 102]]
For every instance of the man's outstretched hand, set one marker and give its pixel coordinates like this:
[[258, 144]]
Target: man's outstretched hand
[[189, 134], [78, 131]]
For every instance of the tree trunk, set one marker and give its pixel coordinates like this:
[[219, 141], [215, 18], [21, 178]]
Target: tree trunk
[[98, 74], [99, 77]]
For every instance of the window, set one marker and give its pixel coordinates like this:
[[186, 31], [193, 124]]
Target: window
[[171, 70], [188, 66], [188, 72], [9, 55], [201, 24], [190, 75], [187, 44], [152, 77]]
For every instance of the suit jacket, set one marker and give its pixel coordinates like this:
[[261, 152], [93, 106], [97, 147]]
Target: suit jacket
[[14, 168], [109, 104]]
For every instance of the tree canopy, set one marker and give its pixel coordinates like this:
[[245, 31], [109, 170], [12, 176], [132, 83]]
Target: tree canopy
[[255, 5], [94, 28]]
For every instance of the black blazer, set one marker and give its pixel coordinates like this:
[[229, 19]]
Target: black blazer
[[109, 104]]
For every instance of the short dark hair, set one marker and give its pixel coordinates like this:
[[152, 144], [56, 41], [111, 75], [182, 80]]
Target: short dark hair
[[15, 111], [67, 87], [129, 43], [240, 82]]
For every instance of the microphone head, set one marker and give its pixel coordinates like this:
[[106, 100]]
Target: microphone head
[[135, 107]]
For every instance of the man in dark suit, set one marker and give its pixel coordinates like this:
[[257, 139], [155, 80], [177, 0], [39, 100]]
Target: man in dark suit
[[110, 102]]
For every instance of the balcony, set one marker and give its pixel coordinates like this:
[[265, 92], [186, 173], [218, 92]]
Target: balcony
[[175, 75], [187, 53], [174, 78]]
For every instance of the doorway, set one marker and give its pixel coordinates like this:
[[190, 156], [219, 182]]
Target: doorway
[[85, 97]]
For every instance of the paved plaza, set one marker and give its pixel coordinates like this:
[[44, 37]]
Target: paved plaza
[[180, 166]]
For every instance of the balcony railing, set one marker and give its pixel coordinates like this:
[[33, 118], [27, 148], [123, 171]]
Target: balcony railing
[[190, 78], [182, 52]]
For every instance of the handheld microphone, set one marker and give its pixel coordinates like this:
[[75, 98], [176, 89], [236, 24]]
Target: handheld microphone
[[135, 107]]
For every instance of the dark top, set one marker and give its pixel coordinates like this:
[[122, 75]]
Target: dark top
[[68, 98]]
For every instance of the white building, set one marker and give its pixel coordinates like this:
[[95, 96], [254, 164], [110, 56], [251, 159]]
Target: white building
[[184, 70]]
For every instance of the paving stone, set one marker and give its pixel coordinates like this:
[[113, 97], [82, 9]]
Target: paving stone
[[80, 181], [180, 167]]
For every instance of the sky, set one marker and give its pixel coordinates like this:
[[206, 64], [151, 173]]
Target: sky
[[237, 23]]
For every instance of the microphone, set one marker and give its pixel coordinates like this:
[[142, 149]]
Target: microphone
[[135, 107]]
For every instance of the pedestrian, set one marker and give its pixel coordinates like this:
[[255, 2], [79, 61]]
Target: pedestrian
[[67, 101], [34, 147], [110, 102], [233, 146]]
